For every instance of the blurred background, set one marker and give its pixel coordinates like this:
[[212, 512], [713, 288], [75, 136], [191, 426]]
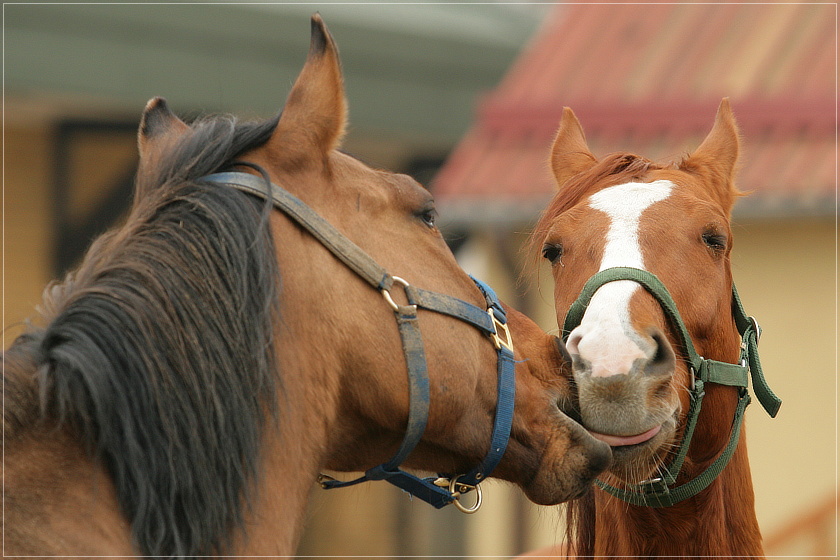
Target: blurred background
[[466, 97]]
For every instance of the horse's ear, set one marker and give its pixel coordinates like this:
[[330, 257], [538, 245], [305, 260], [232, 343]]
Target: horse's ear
[[159, 129], [315, 115], [158, 126], [717, 157], [570, 155]]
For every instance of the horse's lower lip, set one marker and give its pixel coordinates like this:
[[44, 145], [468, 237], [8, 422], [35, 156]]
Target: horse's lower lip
[[618, 441]]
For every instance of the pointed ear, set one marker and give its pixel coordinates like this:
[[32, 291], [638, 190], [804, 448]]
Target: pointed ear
[[159, 130], [315, 115], [715, 161], [158, 127], [570, 155]]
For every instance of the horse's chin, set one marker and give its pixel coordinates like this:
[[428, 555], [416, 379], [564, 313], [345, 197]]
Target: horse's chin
[[573, 473], [640, 461], [544, 496]]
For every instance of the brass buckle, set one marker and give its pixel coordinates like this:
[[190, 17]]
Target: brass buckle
[[498, 341], [456, 489], [324, 480]]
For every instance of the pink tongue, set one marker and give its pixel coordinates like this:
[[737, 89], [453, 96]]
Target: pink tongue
[[618, 441]]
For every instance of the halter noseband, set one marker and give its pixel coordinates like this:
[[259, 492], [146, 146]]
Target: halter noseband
[[492, 321], [659, 492]]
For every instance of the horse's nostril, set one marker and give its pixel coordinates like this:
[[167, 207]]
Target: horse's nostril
[[664, 360], [573, 342]]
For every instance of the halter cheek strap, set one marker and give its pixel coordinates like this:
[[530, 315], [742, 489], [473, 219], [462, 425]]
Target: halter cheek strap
[[445, 489], [659, 492], [491, 321]]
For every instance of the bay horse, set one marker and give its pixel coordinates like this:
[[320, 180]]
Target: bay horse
[[209, 357], [660, 347]]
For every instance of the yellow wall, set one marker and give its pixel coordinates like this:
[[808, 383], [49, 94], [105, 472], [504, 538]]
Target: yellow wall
[[786, 275], [95, 160], [26, 228]]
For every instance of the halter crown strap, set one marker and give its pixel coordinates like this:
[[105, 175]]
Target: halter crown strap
[[492, 321], [658, 492], [344, 250]]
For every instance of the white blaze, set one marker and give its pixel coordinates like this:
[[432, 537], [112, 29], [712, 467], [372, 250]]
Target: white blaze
[[605, 337], [624, 205]]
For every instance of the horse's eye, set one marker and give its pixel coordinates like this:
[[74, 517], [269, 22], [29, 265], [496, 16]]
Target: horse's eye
[[714, 241], [429, 217], [552, 252]]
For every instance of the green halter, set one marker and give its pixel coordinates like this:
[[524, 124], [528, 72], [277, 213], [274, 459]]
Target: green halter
[[658, 492]]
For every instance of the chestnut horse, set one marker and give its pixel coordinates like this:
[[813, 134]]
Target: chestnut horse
[[660, 347], [209, 357]]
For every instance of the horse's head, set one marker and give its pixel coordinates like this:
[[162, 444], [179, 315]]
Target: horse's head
[[337, 337], [673, 221]]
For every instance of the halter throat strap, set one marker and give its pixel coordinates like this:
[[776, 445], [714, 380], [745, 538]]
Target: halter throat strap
[[492, 321], [660, 492]]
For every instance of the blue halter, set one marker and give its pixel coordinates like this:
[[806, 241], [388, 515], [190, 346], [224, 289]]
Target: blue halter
[[446, 488]]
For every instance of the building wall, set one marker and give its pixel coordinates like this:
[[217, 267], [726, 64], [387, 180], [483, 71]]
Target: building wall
[[26, 226], [786, 275]]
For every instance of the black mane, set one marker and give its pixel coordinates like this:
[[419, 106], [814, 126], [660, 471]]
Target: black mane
[[159, 348]]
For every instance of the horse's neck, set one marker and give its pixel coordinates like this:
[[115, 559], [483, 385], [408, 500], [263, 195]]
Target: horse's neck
[[720, 521], [58, 500], [274, 521], [292, 454]]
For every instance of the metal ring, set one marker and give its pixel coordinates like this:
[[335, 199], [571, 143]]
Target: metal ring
[[757, 328], [456, 494], [386, 293]]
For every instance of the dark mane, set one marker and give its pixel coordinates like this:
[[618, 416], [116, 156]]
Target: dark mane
[[613, 169], [158, 349]]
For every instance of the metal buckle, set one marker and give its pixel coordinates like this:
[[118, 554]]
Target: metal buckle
[[498, 341], [456, 489], [654, 486], [757, 328], [386, 293], [324, 480]]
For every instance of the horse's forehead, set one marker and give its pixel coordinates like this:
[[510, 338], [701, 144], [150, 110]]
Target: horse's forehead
[[368, 178], [629, 200]]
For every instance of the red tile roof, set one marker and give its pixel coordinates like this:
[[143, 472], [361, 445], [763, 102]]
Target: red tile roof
[[647, 78]]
